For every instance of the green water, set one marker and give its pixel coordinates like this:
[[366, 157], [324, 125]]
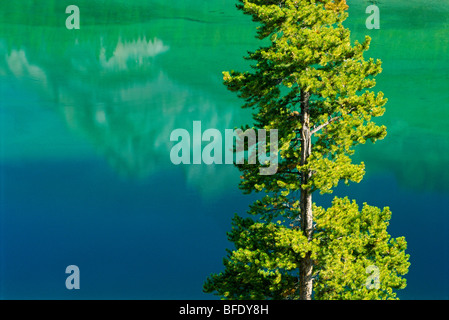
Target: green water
[[86, 117]]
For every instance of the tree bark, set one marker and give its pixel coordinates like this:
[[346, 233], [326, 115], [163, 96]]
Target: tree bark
[[306, 263]]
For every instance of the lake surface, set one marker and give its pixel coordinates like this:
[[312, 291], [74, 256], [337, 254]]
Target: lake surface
[[85, 123]]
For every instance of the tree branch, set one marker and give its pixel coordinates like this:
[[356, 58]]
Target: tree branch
[[328, 122], [289, 172], [325, 124]]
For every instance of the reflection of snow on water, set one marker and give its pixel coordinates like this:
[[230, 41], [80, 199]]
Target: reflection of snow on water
[[123, 108], [100, 117], [17, 64], [132, 54]]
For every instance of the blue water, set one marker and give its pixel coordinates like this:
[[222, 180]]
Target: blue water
[[85, 121], [155, 239]]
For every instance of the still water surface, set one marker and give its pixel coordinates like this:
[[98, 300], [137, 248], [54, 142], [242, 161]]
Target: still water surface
[[85, 121]]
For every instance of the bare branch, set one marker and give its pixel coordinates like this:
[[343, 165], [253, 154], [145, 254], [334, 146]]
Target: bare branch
[[328, 122], [325, 124]]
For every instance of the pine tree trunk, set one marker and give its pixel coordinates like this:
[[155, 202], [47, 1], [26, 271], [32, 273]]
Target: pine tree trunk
[[306, 263]]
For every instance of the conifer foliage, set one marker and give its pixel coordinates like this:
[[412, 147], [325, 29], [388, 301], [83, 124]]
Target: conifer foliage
[[313, 85]]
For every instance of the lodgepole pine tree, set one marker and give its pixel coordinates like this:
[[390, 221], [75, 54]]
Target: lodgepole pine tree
[[312, 85]]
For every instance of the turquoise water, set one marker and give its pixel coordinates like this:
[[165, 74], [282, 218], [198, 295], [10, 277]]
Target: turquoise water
[[85, 121]]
